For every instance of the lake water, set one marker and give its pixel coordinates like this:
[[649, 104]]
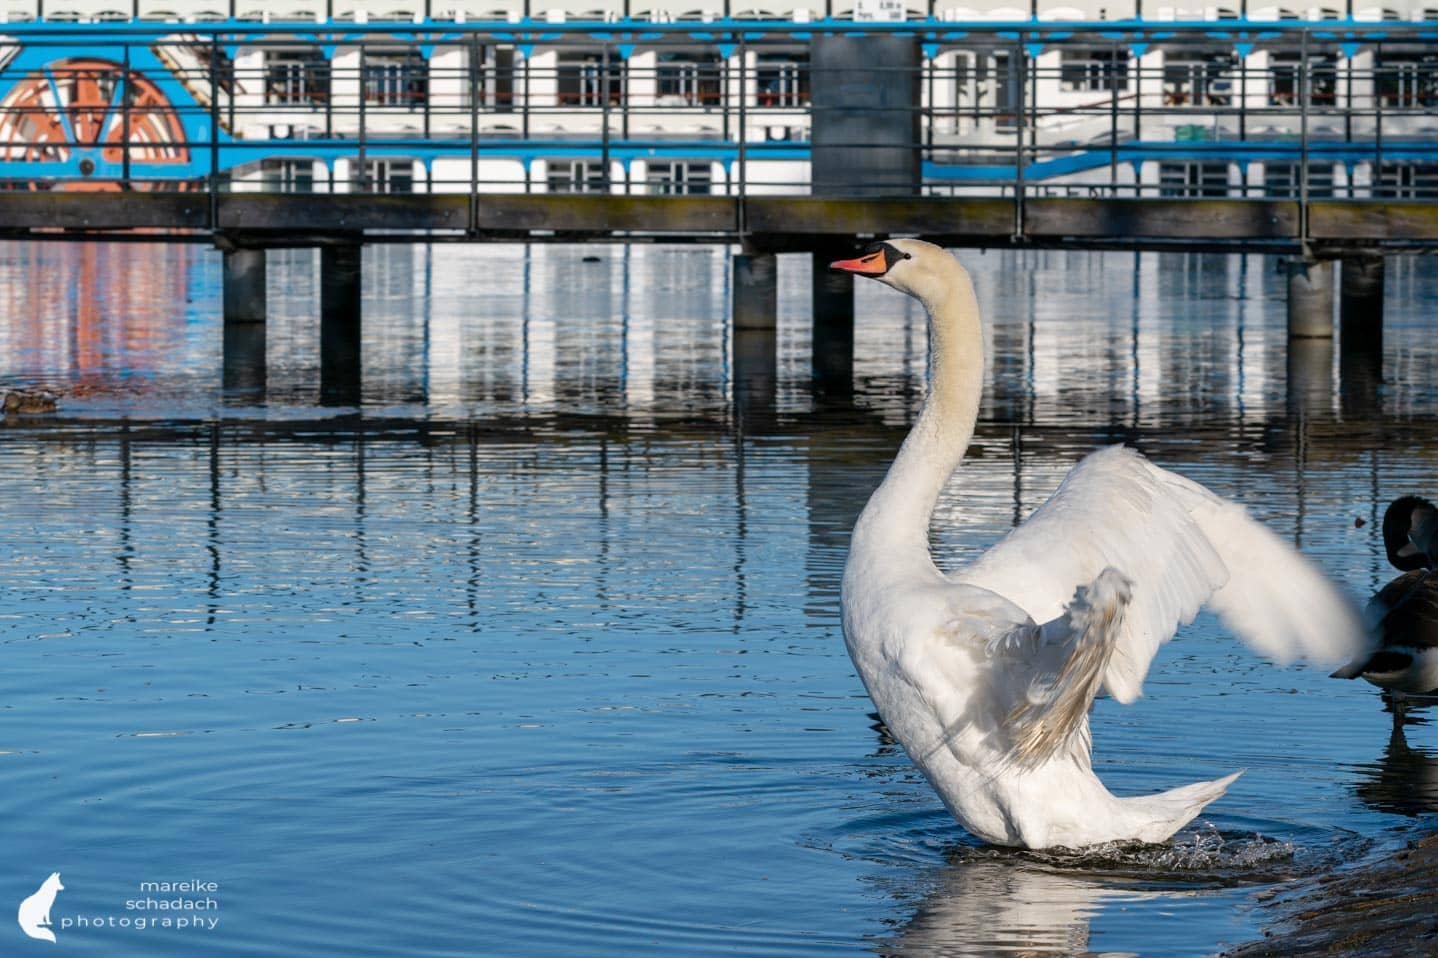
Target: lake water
[[537, 650]]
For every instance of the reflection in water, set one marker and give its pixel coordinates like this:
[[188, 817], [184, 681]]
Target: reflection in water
[[1310, 376], [1046, 903], [1404, 781], [564, 587], [1118, 341], [88, 314], [1002, 907]]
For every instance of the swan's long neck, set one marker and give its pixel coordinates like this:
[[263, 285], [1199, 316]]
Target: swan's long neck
[[896, 520]]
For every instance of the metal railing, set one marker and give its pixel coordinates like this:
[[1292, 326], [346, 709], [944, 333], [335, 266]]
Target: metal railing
[[1280, 110]]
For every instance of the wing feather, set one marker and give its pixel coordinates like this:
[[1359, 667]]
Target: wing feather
[[1182, 547]]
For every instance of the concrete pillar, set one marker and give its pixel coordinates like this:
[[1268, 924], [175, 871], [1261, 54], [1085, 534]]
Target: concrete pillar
[[756, 291], [833, 341], [1310, 376], [244, 279], [1310, 298], [244, 359], [244, 326], [756, 314], [1360, 348], [1360, 312], [340, 324], [756, 370]]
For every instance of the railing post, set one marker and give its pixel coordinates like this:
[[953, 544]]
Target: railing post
[[1305, 89], [1021, 119], [360, 177], [725, 104], [428, 100], [743, 137], [230, 103], [926, 108], [474, 61], [1375, 178], [524, 120], [1113, 127], [1138, 116], [125, 121], [1243, 99], [214, 177], [604, 116], [1348, 110]]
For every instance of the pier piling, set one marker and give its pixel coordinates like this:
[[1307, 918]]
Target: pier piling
[[1310, 298], [340, 323], [756, 291], [833, 341], [244, 359], [244, 320], [1360, 321], [1310, 376], [756, 319], [244, 281], [1361, 304]]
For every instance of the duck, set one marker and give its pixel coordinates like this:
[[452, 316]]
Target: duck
[[30, 401], [985, 673], [1403, 615]]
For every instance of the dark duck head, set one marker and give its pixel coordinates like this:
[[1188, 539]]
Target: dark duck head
[[1410, 533]]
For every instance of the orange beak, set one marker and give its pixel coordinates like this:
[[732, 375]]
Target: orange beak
[[872, 265]]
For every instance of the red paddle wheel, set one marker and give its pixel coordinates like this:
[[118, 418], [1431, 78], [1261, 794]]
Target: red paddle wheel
[[75, 115]]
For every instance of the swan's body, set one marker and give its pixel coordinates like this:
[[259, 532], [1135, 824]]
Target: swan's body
[[986, 674], [1404, 613]]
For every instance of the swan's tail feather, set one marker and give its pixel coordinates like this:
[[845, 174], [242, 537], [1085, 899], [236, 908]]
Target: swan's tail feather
[[1157, 817], [1052, 711]]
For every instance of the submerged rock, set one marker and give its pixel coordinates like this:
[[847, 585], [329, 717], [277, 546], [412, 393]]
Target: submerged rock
[[1389, 907]]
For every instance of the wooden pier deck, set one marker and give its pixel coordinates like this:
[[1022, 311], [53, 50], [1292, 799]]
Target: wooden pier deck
[[1322, 228]]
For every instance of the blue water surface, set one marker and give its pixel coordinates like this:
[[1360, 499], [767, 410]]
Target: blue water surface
[[536, 650]]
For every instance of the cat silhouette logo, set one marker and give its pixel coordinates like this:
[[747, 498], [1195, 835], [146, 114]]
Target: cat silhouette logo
[[35, 910]]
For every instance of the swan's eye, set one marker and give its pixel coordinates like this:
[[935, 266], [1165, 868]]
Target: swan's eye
[[892, 255]]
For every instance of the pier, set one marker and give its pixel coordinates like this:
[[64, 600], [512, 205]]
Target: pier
[[1308, 141]]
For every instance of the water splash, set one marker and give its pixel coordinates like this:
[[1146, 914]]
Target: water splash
[[1205, 851], [1202, 856]]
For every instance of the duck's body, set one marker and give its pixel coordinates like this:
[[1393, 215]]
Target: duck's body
[[986, 674], [30, 401], [1403, 616]]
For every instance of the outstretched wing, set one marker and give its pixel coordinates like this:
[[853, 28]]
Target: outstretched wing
[[1182, 547]]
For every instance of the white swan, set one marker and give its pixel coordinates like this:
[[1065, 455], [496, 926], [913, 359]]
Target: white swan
[[986, 674]]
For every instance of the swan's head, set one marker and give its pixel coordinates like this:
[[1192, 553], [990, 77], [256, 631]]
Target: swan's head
[[1410, 532], [908, 265]]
